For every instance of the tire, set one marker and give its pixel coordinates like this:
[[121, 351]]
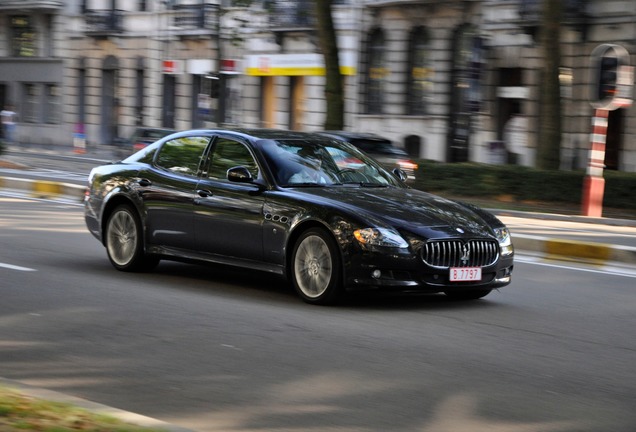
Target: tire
[[469, 294], [315, 267], [123, 239]]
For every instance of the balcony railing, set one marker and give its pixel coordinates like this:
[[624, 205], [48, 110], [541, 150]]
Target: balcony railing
[[31, 5], [104, 22], [530, 11], [196, 16], [292, 15]]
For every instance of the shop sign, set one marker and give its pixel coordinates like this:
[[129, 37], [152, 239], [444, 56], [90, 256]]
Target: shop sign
[[309, 64], [172, 67]]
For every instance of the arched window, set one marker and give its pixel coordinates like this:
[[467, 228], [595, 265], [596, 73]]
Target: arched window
[[420, 73], [376, 73]]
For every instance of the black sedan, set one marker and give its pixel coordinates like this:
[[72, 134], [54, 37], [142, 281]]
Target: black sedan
[[313, 209]]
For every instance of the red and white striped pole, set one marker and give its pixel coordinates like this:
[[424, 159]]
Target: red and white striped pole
[[594, 183]]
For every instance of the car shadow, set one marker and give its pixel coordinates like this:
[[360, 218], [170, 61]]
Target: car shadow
[[235, 281], [261, 286], [412, 301]]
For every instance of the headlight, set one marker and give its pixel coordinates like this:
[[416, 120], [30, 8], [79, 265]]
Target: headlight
[[380, 237], [505, 242]]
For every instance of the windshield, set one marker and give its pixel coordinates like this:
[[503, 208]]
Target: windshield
[[322, 163]]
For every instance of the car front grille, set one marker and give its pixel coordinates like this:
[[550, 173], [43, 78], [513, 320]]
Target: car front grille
[[459, 253]]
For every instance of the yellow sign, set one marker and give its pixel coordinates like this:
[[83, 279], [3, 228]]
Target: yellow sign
[[294, 65]]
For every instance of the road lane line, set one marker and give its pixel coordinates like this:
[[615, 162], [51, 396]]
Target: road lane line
[[14, 267], [605, 269]]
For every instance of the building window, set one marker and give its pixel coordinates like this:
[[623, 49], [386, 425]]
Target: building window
[[420, 73], [48, 50], [23, 37], [139, 100], [41, 103], [81, 95], [52, 104], [30, 103], [467, 63], [376, 73]]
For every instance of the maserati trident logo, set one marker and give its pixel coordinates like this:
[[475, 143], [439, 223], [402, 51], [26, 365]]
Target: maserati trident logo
[[465, 254]]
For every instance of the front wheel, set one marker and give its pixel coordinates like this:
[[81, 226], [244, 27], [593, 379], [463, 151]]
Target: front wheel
[[124, 242], [469, 294], [316, 267]]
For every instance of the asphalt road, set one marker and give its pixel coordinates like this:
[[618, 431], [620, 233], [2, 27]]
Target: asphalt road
[[36, 168], [216, 349]]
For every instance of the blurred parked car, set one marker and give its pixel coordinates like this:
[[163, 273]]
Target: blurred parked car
[[144, 136], [380, 148], [140, 138], [315, 210]]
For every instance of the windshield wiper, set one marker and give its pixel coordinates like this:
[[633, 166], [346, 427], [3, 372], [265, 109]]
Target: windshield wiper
[[306, 184], [366, 184]]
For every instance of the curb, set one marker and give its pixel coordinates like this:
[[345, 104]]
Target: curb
[[572, 250], [44, 188], [94, 407], [565, 218]]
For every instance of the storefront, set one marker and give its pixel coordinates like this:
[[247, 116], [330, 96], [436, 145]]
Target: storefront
[[291, 86]]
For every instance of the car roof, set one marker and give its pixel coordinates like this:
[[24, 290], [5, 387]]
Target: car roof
[[356, 135], [262, 133]]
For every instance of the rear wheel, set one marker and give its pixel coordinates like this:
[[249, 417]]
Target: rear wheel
[[470, 294], [124, 241], [316, 267]]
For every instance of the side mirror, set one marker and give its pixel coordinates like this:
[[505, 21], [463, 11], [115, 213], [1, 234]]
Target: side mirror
[[239, 174], [400, 174]]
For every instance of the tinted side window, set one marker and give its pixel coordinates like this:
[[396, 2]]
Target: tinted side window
[[229, 154], [182, 155]]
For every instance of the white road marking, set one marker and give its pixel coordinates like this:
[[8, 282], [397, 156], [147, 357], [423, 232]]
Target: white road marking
[[615, 270], [59, 200], [15, 267]]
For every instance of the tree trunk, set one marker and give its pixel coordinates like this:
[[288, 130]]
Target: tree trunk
[[334, 85], [549, 143]]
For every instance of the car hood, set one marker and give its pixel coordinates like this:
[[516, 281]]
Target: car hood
[[406, 209]]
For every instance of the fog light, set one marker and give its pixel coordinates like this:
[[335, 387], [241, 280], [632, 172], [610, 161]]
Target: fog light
[[376, 274]]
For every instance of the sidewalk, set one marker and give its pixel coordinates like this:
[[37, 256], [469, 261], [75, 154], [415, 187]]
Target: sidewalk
[[596, 241], [96, 151]]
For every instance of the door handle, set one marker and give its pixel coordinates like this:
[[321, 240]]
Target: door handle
[[204, 193], [144, 182]]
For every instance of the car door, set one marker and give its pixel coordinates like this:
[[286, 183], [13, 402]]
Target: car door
[[167, 189], [229, 215]]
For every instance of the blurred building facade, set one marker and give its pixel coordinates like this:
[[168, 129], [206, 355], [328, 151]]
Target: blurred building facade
[[452, 80], [32, 65]]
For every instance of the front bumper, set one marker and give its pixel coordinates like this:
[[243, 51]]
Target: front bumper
[[398, 272]]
